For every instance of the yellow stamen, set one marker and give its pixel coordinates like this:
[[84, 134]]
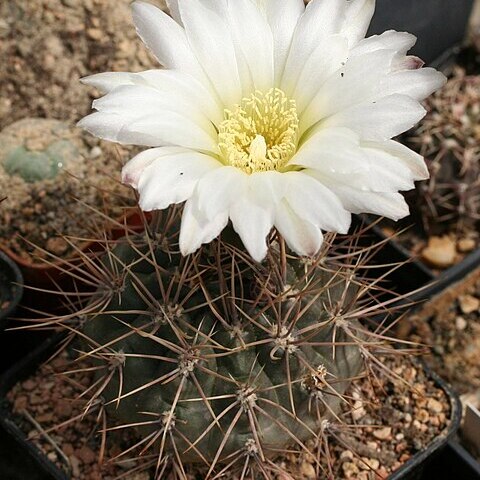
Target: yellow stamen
[[260, 134]]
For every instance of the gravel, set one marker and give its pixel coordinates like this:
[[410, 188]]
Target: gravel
[[397, 421]]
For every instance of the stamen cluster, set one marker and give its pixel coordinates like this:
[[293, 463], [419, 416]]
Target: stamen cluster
[[260, 133]]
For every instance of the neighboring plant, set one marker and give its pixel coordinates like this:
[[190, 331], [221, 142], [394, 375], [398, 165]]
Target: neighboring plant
[[449, 138], [34, 166], [47, 170]]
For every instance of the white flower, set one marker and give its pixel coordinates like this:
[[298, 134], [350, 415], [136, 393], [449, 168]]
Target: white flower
[[268, 114]]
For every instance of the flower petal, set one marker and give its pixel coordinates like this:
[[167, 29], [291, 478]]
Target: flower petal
[[282, 18], [170, 83], [386, 172], [400, 42], [212, 43], [172, 179], [133, 170], [197, 230], [418, 84], [218, 189], [165, 38], [403, 154], [338, 155], [379, 120], [358, 81], [254, 40], [143, 116], [358, 15], [315, 203], [253, 223], [137, 101], [269, 187], [107, 81], [332, 151], [152, 130], [325, 60], [302, 237], [385, 204], [320, 20]]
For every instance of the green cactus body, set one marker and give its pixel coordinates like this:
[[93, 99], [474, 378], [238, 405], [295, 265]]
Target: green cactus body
[[211, 363], [36, 166]]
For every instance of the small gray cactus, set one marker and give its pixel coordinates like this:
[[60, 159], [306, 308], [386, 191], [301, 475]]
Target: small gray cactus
[[37, 149], [36, 166]]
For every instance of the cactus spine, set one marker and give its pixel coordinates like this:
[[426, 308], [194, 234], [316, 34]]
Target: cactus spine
[[216, 361]]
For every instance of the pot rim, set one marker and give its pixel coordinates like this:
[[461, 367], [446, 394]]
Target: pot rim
[[44, 266], [17, 279]]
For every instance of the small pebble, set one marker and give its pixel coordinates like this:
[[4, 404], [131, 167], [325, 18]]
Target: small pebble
[[29, 385], [435, 406], [469, 304], [86, 455], [308, 471], [346, 455], [94, 34], [75, 464], [440, 252], [358, 411], [461, 324], [58, 246], [423, 416], [350, 470], [383, 433], [68, 449], [95, 152], [369, 463], [466, 245], [52, 456], [20, 403]]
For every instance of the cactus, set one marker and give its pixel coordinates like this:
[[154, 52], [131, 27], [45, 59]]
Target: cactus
[[37, 149], [35, 166], [216, 360], [449, 139]]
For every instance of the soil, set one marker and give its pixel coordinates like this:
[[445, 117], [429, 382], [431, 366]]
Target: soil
[[390, 423], [438, 252], [46, 46], [396, 422], [446, 208], [36, 215], [450, 323]]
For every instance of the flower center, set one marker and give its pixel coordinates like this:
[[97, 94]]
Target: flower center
[[260, 133]]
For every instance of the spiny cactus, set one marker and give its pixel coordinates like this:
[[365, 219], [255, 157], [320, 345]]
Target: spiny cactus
[[216, 360], [449, 138]]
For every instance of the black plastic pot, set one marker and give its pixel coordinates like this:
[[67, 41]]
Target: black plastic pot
[[31, 464], [11, 288], [415, 275], [438, 24], [454, 463], [14, 345]]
